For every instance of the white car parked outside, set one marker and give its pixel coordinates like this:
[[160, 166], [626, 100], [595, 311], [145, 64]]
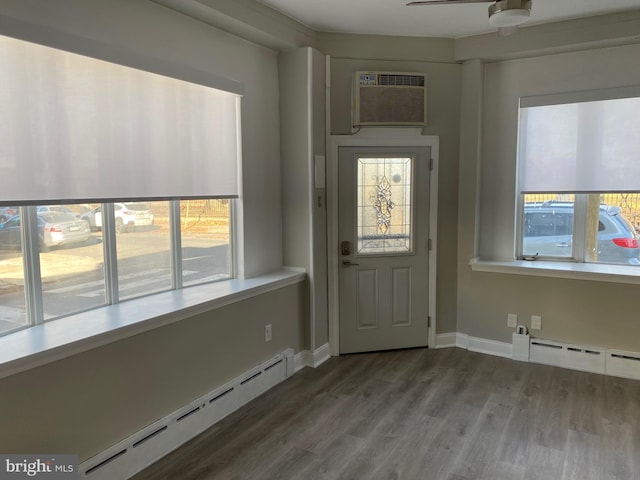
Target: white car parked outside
[[129, 215]]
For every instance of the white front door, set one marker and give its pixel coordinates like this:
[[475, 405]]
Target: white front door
[[383, 201]]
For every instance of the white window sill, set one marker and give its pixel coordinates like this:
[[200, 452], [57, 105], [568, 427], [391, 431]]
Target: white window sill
[[573, 271], [57, 339]]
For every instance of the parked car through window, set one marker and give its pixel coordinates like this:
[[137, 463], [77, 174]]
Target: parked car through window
[[54, 230], [128, 216], [548, 232]]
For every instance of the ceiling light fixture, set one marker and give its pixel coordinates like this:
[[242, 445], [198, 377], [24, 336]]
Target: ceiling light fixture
[[509, 13]]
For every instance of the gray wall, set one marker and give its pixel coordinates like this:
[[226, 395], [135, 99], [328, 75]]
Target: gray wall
[[90, 401], [302, 107], [580, 311], [294, 119], [318, 62], [443, 118], [86, 403]]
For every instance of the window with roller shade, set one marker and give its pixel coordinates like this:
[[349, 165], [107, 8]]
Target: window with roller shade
[[120, 179], [579, 176]]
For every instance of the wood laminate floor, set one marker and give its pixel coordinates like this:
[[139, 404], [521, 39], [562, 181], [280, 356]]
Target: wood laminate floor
[[444, 414]]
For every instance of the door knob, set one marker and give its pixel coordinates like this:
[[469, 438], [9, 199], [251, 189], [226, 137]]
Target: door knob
[[347, 263]]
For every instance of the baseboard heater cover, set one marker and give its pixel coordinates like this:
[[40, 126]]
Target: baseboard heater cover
[[145, 447], [617, 363], [623, 364], [549, 352]]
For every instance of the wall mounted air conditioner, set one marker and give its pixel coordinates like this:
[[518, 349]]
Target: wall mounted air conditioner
[[389, 98]]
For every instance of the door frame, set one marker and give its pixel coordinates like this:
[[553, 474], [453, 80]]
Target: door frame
[[376, 137]]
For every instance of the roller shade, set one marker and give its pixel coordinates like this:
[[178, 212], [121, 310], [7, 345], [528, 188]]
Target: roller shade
[[76, 128], [584, 145]]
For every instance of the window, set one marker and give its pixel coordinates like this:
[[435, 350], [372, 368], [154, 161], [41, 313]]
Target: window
[[71, 261], [580, 177], [547, 228], [143, 248], [78, 128], [206, 240], [13, 313], [122, 181], [76, 272], [384, 205]]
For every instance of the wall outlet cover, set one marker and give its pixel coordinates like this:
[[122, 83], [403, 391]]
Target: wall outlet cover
[[536, 322]]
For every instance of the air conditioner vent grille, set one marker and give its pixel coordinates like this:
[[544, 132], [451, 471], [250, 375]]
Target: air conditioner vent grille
[[389, 99], [401, 80]]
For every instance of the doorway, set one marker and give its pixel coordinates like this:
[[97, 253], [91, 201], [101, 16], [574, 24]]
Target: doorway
[[383, 199]]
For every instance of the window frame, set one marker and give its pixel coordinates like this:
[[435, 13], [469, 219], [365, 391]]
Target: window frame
[[578, 242], [66, 43], [33, 290], [581, 198]]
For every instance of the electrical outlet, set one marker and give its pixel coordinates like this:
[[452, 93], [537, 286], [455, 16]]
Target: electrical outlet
[[267, 333], [512, 320], [536, 322]]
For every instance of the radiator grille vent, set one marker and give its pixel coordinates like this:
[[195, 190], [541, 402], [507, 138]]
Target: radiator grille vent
[[625, 357], [623, 364], [149, 436], [401, 80], [617, 363], [559, 354]]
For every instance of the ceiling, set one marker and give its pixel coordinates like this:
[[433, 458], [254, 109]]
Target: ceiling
[[393, 17]]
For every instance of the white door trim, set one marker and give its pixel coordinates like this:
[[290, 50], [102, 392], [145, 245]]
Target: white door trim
[[376, 137]]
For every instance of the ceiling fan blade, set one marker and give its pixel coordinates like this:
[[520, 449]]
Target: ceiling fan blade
[[442, 2]]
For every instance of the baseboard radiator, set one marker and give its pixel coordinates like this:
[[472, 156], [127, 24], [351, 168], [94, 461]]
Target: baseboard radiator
[[616, 363], [140, 450]]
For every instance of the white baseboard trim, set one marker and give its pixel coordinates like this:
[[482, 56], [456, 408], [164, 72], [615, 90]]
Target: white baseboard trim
[[453, 339], [305, 358], [302, 359], [491, 347], [321, 355], [474, 344], [446, 340], [462, 340], [153, 442]]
